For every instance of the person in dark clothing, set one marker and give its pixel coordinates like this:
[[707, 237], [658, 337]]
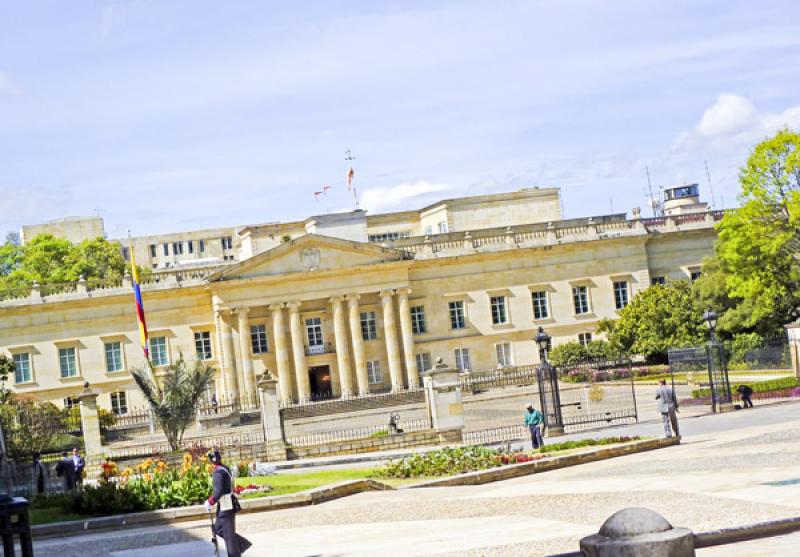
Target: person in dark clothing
[[746, 391], [66, 469], [39, 473], [80, 464], [227, 506]]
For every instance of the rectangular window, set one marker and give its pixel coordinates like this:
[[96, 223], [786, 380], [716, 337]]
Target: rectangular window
[[113, 356], [227, 242], [177, 248], [126, 254], [369, 326], [423, 362], [457, 320], [540, 310], [258, 339], [620, 294], [658, 280], [202, 345], [584, 338], [71, 402], [190, 246], [463, 362], [158, 351], [442, 227], [166, 249], [314, 331], [499, 313], [22, 372], [374, 372], [504, 357], [428, 230], [201, 246], [227, 257], [119, 403], [68, 361], [580, 298], [418, 320], [152, 250]]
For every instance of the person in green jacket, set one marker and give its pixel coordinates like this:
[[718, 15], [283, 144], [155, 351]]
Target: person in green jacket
[[535, 422]]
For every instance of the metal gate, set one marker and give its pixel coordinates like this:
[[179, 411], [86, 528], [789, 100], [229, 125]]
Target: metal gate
[[710, 358], [597, 393]]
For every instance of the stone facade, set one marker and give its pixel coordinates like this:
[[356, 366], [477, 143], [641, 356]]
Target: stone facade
[[336, 316]]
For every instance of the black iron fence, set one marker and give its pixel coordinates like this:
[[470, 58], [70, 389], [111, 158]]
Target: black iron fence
[[353, 404], [510, 376], [351, 434]]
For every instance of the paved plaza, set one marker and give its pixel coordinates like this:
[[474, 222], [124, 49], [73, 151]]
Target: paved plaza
[[732, 469]]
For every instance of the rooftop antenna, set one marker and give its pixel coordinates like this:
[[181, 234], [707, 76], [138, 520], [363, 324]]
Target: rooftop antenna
[[653, 201], [349, 157], [710, 187]]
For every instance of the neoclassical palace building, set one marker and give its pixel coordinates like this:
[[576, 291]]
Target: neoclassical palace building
[[347, 304]]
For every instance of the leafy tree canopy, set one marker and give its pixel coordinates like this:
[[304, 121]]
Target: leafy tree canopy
[[753, 277], [47, 259], [661, 317], [29, 426]]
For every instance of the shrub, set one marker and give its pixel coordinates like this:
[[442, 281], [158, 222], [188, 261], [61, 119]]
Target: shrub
[[442, 462], [566, 445], [30, 426], [574, 352], [106, 499], [759, 387]]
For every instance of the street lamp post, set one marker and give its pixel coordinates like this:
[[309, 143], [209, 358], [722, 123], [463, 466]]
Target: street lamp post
[[721, 399], [549, 394]]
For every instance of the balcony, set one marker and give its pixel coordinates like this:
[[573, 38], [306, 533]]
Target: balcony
[[315, 349]]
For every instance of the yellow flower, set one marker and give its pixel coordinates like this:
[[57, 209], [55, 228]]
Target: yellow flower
[[147, 477], [209, 468], [187, 458], [127, 472]]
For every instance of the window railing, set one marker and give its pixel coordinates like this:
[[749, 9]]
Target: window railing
[[324, 348]]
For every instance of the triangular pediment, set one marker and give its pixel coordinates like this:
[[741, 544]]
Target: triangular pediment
[[308, 253]]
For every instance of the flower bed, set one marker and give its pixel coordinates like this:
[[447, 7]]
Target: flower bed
[[252, 489]]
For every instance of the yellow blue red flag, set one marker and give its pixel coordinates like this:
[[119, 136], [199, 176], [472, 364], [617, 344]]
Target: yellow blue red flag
[[137, 292]]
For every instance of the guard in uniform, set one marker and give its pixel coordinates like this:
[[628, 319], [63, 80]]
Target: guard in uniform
[[227, 506]]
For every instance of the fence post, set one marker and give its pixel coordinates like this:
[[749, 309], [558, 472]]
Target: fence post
[[271, 421], [90, 424], [443, 397]]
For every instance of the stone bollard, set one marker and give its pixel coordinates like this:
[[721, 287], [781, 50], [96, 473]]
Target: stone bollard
[[443, 397], [271, 421], [638, 532]]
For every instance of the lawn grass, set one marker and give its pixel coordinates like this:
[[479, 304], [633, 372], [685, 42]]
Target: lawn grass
[[284, 483], [52, 514]]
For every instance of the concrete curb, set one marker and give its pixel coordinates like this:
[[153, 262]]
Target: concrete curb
[[197, 512], [549, 463]]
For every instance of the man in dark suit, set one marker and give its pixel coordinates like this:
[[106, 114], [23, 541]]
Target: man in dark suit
[[227, 506], [66, 469]]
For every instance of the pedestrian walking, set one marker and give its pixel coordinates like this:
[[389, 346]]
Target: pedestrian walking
[[668, 407], [535, 422], [66, 469], [226, 505], [80, 464], [39, 474], [746, 391]]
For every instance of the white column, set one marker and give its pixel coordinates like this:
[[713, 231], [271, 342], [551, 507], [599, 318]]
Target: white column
[[225, 332], [281, 352], [407, 333], [342, 351], [392, 344], [360, 359], [248, 384], [299, 352]]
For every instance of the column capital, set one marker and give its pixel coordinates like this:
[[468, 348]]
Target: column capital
[[387, 293], [241, 310], [294, 307], [276, 307], [404, 291], [352, 298], [336, 299]]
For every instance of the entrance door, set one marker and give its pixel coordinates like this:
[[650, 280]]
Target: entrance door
[[320, 381]]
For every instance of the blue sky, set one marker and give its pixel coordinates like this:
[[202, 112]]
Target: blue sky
[[168, 115]]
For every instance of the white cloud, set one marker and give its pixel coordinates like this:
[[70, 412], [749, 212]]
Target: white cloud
[[734, 120], [7, 87], [383, 198]]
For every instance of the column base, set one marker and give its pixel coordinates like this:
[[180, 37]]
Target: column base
[[725, 407], [451, 436], [555, 431], [276, 451]]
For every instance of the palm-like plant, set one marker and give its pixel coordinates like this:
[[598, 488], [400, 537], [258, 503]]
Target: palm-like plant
[[175, 397]]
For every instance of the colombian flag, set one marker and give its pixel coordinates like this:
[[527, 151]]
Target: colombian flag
[[137, 292]]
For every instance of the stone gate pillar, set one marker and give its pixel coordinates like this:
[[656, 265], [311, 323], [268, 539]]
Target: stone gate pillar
[[271, 422], [90, 424], [443, 397]]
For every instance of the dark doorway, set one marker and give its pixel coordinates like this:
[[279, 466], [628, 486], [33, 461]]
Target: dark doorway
[[320, 380]]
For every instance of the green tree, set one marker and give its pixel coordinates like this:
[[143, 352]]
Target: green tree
[[661, 317], [755, 272], [96, 258], [7, 369], [29, 426], [175, 397]]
